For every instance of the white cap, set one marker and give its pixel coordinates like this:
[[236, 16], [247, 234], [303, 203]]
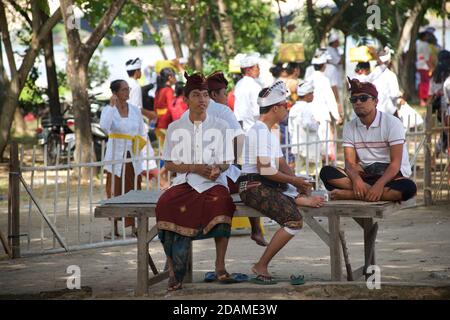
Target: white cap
[[430, 29], [133, 64], [385, 56], [276, 93], [304, 88], [319, 60], [249, 60], [333, 37]]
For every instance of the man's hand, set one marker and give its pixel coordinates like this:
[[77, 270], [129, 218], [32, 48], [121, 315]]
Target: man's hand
[[215, 173], [374, 193], [302, 185], [360, 189], [113, 101], [206, 171]]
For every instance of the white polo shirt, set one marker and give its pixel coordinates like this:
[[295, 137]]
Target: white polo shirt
[[373, 144], [205, 142], [221, 111], [246, 108], [261, 142]]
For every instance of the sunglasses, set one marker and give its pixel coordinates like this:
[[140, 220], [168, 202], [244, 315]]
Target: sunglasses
[[362, 98]]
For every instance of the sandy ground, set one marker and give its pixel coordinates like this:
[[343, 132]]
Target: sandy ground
[[412, 251]]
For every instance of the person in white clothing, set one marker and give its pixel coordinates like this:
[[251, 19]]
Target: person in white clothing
[[125, 127], [303, 127], [246, 92], [133, 67], [325, 106], [217, 85], [277, 196], [198, 204]]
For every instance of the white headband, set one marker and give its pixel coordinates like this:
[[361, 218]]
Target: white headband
[[276, 93], [133, 64], [304, 88]]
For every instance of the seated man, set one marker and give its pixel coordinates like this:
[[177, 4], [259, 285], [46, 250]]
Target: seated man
[[198, 204], [376, 160], [277, 194]]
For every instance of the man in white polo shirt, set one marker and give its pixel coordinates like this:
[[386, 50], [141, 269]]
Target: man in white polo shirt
[[376, 160]]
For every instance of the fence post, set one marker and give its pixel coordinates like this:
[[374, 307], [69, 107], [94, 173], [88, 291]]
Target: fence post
[[14, 201], [428, 198]]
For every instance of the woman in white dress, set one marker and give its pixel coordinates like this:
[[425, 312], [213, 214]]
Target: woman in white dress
[[124, 125]]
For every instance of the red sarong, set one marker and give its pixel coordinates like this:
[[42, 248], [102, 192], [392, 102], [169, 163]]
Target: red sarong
[[183, 210]]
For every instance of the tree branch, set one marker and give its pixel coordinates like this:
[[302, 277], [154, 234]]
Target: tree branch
[[336, 18], [102, 28], [7, 41], [21, 11]]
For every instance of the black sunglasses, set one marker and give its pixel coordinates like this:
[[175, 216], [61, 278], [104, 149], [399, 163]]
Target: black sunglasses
[[362, 98]]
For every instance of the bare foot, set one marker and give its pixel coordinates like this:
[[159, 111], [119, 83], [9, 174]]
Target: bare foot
[[338, 194], [259, 239], [312, 201]]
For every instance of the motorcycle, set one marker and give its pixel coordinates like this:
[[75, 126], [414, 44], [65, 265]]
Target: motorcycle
[[58, 134]]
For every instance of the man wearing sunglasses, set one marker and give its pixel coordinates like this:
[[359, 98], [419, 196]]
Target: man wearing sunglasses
[[376, 159]]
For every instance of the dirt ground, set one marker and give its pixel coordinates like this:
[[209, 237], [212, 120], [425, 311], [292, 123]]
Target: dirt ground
[[412, 251]]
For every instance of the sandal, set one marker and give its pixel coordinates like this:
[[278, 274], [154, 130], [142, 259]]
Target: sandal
[[225, 278], [240, 277], [263, 280], [297, 280], [210, 276]]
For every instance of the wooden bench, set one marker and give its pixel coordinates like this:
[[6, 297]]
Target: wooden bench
[[141, 205]]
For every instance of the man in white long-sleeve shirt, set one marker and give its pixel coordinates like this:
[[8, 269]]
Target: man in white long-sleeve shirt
[[325, 104], [246, 108]]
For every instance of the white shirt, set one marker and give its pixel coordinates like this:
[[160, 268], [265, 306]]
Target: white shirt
[[446, 96], [324, 98], [221, 111], [373, 144], [201, 143], [410, 117], [331, 72], [112, 122], [336, 61], [303, 127], [246, 108], [135, 93], [423, 53], [261, 142], [388, 91]]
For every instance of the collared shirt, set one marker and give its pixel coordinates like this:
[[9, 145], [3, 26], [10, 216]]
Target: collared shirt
[[200, 143], [373, 144], [423, 53], [112, 122], [135, 93], [246, 106], [221, 111], [261, 142], [303, 127]]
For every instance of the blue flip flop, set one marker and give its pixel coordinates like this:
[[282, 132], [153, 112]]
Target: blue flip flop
[[210, 276], [240, 277]]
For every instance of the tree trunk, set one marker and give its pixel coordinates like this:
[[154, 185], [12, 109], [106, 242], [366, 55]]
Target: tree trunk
[[406, 61], [226, 26], [78, 79], [17, 82], [52, 79], [334, 20], [173, 29]]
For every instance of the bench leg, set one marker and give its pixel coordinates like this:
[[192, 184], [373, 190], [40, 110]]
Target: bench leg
[[335, 248], [370, 236], [142, 256]]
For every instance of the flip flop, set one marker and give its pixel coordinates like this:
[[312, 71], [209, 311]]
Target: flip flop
[[297, 280], [225, 278], [210, 276], [240, 277], [263, 280]]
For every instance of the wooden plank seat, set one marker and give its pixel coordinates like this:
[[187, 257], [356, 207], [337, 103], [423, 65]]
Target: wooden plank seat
[[141, 205]]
